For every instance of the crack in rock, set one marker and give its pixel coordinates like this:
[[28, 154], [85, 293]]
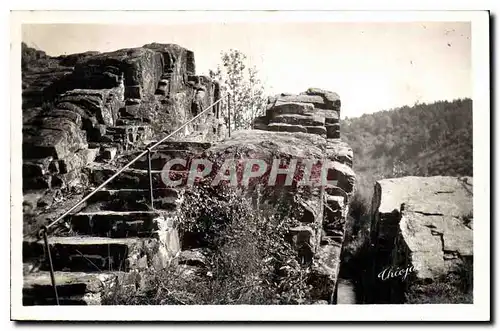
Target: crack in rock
[[427, 214]]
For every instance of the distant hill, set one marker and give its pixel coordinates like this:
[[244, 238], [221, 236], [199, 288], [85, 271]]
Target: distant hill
[[422, 140]]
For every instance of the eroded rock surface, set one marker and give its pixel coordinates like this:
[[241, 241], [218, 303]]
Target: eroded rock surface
[[423, 221], [315, 111], [299, 127], [93, 107], [85, 116], [89, 107]]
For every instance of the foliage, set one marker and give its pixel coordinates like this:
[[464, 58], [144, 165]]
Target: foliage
[[423, 140], [359, 206], [246, 90], [454, 288], [358, 223], [250, 261]]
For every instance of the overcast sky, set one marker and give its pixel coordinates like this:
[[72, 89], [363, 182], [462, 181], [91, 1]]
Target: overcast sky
[[372, 66]]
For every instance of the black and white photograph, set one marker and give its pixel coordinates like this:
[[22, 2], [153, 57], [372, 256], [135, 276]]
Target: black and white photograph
[[252, 165]]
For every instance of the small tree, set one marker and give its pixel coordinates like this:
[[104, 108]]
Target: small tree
[[245, 89]]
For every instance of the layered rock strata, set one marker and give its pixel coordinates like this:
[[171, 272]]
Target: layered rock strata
[[303, 127], [315, 111], [83, 120], [93, 106], [424, 222]]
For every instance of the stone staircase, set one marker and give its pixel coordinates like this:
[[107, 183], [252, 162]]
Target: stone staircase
[[83, 123], [116, 235]]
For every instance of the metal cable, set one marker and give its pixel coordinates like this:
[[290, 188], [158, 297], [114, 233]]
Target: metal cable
[[44, 229], [125, 167]]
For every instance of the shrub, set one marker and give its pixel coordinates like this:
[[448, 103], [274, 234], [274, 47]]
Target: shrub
[[357, 225], [359, 210], [250, 261], [454, 288], [357, 255]]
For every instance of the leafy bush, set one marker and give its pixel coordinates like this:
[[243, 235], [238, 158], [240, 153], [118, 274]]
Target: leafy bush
[[250, 261], [455, 288], [241, 81], [359, 210]]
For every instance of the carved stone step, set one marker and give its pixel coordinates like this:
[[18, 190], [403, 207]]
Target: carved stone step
[[98, 254], [118, 224], [73, 288], [134, 195], [130, 178]]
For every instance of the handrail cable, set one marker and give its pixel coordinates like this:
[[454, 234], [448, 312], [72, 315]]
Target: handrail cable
[[147, 150]]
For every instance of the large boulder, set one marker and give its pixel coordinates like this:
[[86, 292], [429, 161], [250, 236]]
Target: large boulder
[[425, 222], [141, 69], [322, 212], [55, 137], [100, 103], [315, 111]]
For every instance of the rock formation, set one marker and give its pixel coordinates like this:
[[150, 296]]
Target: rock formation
[[304, 127], [84, 116], [314, 111], [91, 106], [421, 221]]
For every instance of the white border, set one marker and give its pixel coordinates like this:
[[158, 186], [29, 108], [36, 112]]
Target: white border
[[480, 310]]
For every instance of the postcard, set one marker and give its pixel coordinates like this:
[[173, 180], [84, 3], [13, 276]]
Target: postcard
[[250, 166]]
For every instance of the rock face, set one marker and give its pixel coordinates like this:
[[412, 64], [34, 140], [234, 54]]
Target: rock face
[[423, 221], [85, 116], [122, 231], [88, 107], [315, 111], [100, 105], [305, 203], [296, 128]]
